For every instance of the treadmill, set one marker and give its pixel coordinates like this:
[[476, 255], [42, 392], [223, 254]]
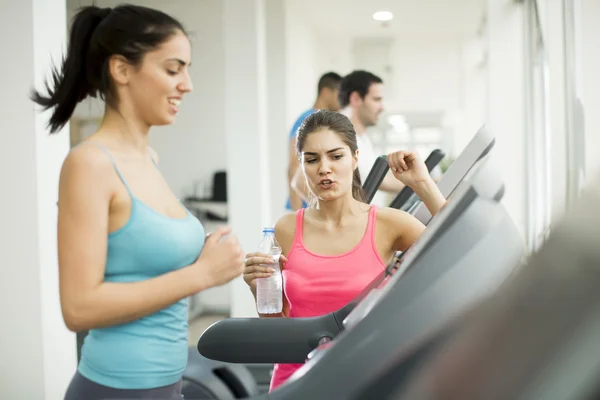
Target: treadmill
[[468, 250], [224, 341], [472, 227], [479, 146], [543, 325]]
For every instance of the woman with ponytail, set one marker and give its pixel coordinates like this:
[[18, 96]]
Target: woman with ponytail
[[129, 253], [334, 248]]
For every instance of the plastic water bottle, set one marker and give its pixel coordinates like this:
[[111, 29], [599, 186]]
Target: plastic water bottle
[[269, 290]]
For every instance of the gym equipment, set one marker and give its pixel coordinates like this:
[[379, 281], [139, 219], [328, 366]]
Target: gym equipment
[[204, 378], [467, 251], [476, 149], [407, 196], [222, 341], [378, 170], [544, 324]]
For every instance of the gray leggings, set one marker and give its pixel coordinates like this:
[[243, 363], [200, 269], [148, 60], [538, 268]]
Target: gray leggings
[[82, 388]]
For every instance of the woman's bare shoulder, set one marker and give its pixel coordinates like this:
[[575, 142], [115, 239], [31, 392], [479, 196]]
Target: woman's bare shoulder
[[86, 161], [392, 215], [401, 227], [285, 228]]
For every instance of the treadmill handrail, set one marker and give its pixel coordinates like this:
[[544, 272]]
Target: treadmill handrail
[[375, 177], [267, 340]]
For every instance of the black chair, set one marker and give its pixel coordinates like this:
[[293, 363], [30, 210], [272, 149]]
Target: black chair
[[219, 190], [218, 195]]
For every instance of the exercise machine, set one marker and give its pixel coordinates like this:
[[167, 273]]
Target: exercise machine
[[543, 325], [378, 171], [222, 340], [477, 148], [468, 249], [327, 327]]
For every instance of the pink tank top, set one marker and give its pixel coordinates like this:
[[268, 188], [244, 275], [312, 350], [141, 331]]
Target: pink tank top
[[316, 285]]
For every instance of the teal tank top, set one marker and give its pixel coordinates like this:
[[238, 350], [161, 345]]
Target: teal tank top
[[152, 351]]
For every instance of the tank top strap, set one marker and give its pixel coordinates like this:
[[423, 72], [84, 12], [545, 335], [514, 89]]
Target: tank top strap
[[371, 225], [114, 163], [298, 241]]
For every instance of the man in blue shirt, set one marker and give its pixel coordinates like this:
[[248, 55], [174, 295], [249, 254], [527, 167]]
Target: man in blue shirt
[[327, 98]]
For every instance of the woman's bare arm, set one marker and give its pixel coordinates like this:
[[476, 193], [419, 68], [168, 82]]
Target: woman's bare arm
[[430, 194], [87, 301], [399, 229]]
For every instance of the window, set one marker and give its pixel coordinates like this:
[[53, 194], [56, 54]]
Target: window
[[422, 132], [539, 193]]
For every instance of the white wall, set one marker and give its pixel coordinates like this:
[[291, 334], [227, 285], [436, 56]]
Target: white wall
[[302, 62], [334, 53], [278, 127], [426, 74], [38, 352], [590, 77]]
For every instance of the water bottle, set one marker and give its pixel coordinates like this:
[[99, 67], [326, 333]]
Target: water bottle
[[269, 290]]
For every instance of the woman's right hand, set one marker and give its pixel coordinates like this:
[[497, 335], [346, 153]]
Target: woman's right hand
[[222, 258], [253, 268]]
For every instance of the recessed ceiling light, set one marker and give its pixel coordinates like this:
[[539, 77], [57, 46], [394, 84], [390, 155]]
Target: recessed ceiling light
[[383, 16]]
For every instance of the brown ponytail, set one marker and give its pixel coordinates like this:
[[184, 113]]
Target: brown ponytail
[[357, 190]]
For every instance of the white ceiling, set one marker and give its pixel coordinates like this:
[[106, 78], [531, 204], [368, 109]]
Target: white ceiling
[[427, 18]]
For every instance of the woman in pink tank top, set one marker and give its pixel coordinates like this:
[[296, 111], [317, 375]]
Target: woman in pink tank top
[[334, 248]]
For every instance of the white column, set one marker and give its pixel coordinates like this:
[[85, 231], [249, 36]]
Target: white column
[[553, 28], [590, 79], [246, 132], [38, 352], [506, 99], [278, 129]]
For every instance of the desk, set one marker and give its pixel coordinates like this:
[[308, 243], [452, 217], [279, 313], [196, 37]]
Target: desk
[[201, 208]]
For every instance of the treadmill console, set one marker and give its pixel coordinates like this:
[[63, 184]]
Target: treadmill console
[[479, 146]]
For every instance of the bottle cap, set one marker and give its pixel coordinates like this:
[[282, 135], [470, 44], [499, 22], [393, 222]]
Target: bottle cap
[[268, 230]]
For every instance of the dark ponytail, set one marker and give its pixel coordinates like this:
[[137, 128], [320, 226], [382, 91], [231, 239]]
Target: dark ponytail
[[70, 84], [339, 123], [96, 35]]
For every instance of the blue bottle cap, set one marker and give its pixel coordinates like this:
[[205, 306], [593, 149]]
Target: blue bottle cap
[[268, 230]]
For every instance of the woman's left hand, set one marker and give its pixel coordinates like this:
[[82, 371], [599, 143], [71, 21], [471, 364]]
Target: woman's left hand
[[408, 168]]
